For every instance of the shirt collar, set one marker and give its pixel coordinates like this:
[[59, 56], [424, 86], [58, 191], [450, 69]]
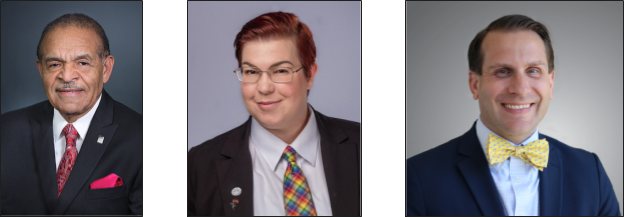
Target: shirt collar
[[271, 147], [483, 132], [81, 125]]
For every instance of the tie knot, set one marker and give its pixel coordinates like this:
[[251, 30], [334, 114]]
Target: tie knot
[[70, 134], [289, 154]]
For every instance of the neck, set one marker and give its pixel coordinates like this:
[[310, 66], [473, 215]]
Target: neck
[[71, 118], [514, 138]]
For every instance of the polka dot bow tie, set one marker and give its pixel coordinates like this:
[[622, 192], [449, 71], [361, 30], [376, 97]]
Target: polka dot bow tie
[[534, 153]]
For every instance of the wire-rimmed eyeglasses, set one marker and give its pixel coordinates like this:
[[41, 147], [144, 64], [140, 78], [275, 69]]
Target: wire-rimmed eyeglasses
[[276, 74]]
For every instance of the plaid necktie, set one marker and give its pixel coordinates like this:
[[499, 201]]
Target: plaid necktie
[[297, 196], [69, 158], [534, 153]]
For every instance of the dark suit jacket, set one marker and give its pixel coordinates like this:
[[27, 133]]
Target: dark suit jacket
[[218, 165], [454, 179], [28, 167]]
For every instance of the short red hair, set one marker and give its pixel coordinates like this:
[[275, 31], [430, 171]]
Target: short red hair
[[276, 25]]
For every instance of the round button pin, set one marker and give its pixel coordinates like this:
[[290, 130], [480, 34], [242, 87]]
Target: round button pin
[[236, 191]]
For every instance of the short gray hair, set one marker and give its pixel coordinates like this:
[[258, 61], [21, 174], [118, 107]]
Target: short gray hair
[[80, 21]]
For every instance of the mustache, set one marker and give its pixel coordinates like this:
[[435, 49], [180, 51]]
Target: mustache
[[70, 85]]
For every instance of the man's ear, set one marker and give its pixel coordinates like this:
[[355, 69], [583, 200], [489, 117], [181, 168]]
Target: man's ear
[[109, 61], [473, 82], [552, 83], [40, 68], [312, 74]]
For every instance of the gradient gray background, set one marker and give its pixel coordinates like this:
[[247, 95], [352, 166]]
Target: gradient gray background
[[586, 111], [215, 103], [22, 24]]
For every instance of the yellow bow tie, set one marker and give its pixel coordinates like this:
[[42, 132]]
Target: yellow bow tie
[[534, 153]]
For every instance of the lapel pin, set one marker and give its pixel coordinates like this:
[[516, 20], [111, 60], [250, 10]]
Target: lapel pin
[[100, 139], [236, 191], [234, 203]]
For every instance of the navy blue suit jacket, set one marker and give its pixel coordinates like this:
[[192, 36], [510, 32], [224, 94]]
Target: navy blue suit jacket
[[454, 179]]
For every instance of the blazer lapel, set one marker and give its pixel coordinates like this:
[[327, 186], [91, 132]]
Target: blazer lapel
[[43, 143], [550, 187], [237, 169], [90, 153], [343, 189], [237, 172], [477, 175]]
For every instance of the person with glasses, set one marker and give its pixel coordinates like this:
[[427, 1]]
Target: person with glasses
[[287, 158]]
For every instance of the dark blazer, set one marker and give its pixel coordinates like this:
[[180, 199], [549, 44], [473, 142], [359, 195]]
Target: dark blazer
[[28, 167], [218, 165], [454, 179]]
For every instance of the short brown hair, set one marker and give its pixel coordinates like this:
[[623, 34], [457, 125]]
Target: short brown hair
[[509, 23], [279, 24]]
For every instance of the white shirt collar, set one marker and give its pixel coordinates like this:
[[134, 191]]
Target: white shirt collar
[[271, 147], [81, 125]]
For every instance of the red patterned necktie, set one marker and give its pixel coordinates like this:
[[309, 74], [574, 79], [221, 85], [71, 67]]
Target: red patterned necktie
[[297, 196], [69, 158]]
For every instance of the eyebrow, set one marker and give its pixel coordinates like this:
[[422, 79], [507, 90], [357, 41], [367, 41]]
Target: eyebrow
[[274, 64], [84, 56], [504, 65]]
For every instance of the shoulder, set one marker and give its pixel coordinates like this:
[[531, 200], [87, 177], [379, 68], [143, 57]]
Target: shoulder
[[444, 151], [20, 117], [17, 127], [129, 124], [346, 124], [351, 128], [18, 122], [569, 154], [126, 116], [210, 149]]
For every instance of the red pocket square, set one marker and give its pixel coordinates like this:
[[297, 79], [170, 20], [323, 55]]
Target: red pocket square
[[109, 181]]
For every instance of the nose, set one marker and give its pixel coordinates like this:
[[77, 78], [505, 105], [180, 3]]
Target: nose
[[68, 73], [265, 85], [520, 84]]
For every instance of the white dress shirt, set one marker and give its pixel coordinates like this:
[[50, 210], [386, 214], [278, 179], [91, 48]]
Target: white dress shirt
[[81, 125], [516, 180], [269, 167]]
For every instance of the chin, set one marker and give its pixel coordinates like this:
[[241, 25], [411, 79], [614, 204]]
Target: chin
[[71, 108], [516, 127], [267, 121]]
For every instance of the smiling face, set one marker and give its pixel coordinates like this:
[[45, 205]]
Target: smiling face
[[515, 87], [72, 72], [276, 106]]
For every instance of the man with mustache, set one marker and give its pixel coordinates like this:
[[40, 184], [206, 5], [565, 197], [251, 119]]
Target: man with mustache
[[79, 152]]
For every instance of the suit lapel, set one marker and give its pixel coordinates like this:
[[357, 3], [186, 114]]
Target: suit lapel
[[550, 187], [237, 171], [43, 143], [477, 174], [90, 153], [334, 141]]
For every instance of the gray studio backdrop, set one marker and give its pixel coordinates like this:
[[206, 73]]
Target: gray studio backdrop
[[22, 24], [586, 111], [215, 103]]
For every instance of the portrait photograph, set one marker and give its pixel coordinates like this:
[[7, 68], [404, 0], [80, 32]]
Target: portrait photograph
[[274, 108], [72, 124], [514, 108]]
